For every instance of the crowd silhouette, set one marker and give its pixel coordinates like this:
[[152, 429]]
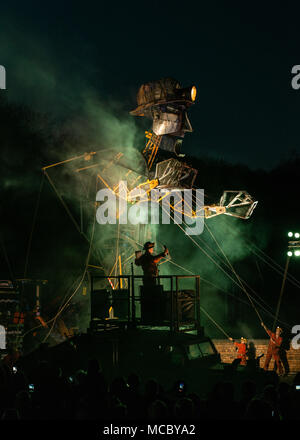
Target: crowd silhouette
[[45, 393]]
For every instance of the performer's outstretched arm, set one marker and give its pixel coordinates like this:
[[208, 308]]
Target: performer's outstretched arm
[[158, 257]]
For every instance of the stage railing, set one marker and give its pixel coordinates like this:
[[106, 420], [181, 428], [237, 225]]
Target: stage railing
[[133, 299]]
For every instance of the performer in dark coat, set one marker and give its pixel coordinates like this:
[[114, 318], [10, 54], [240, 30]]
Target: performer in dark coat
[[149, 263]]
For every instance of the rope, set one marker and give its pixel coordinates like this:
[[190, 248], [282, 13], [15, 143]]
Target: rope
[[216, 324], [81, 281], [281, 292], [216, 264], [240, 284], [255, 293], [63, 203], [234, 271], [62, 307], [206, 281], [201, 308], [50, 320], [261, 306], [230, 294], [241, 280], [209, 282], [71, 216], [280, 269], [227, 265], [290, 278]]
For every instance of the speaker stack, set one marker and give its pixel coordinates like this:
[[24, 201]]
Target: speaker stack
[[11, 317]]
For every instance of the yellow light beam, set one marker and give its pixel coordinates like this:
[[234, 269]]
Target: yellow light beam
[[120, 271]]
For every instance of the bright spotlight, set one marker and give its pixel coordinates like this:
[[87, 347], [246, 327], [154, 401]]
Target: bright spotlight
[[193, 93], [290, 234], [297, 235], [297, 253], [290, 254]]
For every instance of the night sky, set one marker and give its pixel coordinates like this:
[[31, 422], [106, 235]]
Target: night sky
[[239, 56]]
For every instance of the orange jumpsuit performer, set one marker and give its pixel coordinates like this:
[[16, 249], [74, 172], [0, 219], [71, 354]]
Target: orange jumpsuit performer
[[241, 348], [273, 348]]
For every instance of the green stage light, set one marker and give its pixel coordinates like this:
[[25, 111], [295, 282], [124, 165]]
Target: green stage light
[[297, 253], [297, 235], [290, 254], [290, 234]]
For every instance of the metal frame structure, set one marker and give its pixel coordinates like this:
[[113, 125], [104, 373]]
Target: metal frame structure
[[174, 324]]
